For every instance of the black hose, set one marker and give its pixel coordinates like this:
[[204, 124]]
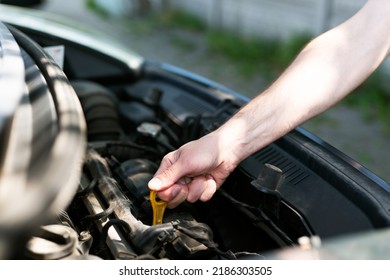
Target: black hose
[[104, 234], [88, 189], [247, 209], [210, 244], [46, 64], [87, 220], [133, 149], [169, 132]]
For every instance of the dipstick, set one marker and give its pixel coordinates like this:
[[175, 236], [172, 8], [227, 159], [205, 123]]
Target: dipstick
[[158, 208]]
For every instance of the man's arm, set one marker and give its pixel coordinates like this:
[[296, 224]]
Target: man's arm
[[325, 71]]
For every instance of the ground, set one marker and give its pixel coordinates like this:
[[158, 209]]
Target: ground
[[343, 127]]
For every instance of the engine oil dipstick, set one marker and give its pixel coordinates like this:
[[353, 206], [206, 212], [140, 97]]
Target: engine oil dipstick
[[158, 207]]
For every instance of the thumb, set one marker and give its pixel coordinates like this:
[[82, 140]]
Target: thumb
[[166, 177]]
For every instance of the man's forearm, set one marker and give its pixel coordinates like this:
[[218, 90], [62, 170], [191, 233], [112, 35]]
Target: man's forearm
[[325, 71]]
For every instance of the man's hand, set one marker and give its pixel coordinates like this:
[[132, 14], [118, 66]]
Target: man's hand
[[193, 172]]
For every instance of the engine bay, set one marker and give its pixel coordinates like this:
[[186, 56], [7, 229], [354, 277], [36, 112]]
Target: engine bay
[[111, 214]]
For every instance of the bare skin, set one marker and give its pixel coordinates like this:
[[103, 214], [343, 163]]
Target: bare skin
[[324, 72]]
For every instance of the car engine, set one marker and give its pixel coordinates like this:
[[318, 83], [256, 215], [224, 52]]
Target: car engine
[[111, 215]]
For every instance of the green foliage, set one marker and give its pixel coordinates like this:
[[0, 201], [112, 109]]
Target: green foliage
[[91, 4], [247, 54], [373, 99], [252, 55], [176, 18]]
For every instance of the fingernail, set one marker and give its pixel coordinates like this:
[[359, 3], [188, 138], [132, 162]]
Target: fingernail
[[154, 184]]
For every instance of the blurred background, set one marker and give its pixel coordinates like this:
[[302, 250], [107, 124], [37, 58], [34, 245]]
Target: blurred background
[[245, 45]]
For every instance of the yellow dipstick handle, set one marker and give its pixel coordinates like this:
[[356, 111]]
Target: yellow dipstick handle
[[158, 208]]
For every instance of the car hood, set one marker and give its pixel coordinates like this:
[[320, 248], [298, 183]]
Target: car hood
[[56, 25]]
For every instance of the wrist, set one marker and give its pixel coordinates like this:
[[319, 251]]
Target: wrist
[[247, 132], [233, 142]]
